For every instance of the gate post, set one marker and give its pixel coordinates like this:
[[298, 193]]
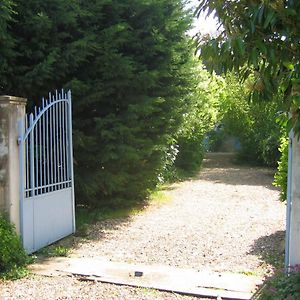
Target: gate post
[[293, 205], [12, 109]]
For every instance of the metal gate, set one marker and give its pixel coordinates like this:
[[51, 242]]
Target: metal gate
[[47, 211]]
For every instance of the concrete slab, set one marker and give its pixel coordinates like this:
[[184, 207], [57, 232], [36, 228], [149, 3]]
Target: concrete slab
[[184, 281]]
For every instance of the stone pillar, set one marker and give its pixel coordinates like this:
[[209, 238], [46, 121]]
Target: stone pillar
[[12, 109]]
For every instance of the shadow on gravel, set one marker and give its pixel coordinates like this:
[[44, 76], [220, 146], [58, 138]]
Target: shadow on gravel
[[222, 168], [91, 224], [270, 249], [240, 176]]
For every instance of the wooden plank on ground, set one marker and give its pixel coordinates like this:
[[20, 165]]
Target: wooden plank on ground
[[184, 281]]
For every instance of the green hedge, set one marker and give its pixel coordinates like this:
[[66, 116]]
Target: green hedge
[[254, 124], [128, 64], [280, 178], [12, 255]]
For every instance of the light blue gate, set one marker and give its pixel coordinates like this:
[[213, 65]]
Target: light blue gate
[[47, 211]]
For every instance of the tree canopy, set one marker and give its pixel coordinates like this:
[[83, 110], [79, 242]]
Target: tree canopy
[[129, 65], [260, 38]]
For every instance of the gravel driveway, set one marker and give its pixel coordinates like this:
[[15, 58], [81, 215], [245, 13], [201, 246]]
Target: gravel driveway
[[227, 219]]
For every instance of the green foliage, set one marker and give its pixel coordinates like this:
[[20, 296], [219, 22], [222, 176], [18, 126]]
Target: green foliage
[[6, 40], [280, 178], [202, 109], [252, 124], [215, 140], [255, 126], [128, 63], [282, 286], [12, 255], [136, 102], [259, 39], [86, 216], [191, 153], [200, 117], [54, 251]]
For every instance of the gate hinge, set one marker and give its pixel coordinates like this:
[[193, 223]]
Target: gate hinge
[[19, 140]]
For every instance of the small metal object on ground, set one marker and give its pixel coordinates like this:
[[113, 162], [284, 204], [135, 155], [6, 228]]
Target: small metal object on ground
[[183, 281], [138, 274]]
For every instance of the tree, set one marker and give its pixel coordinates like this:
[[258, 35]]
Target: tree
[[131, 97], [48, 46], [260, 38], [128, 65], [6, 41]]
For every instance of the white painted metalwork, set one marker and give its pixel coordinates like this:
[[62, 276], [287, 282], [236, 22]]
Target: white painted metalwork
[[47, 210], [288, 204]]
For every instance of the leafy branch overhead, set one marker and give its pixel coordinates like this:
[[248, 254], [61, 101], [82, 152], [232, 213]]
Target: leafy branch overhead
[[259, 38]]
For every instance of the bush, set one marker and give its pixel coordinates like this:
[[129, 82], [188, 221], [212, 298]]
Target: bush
[[254, 124], [12, 254], [191, 153], [280, 178], [185, 150], [200, 118], [282, 286]]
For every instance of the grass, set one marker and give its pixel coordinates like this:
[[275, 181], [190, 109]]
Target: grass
[[149, 292], [17, 272], [257, 272], [86, 216], [54, 251], [159, 197]]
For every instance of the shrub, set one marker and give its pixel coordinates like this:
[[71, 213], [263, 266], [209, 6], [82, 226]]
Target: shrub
[[254, 124], [199, 119], [280, 178], [282, 286], [191, 153], [12, 254]]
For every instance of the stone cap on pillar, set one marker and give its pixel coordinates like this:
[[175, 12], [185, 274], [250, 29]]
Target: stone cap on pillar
[[12, 100]]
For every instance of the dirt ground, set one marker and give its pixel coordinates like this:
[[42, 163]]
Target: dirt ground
[[228, 218]]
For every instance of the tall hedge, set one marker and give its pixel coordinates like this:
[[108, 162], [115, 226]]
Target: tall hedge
[[128, 65], [253, 123]]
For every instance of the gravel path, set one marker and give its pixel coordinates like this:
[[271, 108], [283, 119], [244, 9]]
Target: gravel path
[[226, 219]]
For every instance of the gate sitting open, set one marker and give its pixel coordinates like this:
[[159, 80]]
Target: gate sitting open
[[46, 169]]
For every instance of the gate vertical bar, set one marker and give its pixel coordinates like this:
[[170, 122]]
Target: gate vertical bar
[[40, 145], [31, 156], [44, 148], [71, 154], [48, 149], [23, 174], [36, 155], [54, 147], [51, 135], [64, 143], [57, 145], [60, 144]]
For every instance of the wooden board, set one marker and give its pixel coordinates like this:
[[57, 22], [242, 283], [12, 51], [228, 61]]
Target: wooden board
[[184, 281]]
